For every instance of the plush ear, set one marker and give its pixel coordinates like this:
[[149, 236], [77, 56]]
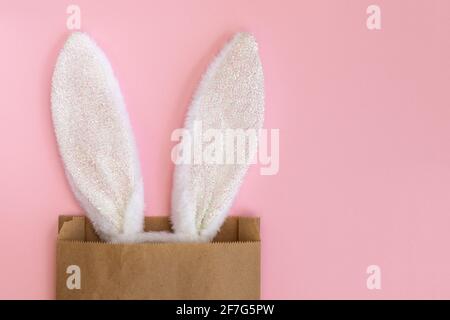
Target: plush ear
[[95, 139], [230, 96]]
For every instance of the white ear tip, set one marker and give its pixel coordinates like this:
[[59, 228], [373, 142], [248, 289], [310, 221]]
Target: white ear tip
[[78, 36], [78, 42], [246, 40]]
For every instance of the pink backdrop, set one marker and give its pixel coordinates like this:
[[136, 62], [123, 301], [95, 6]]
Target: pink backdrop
[[364, 134]]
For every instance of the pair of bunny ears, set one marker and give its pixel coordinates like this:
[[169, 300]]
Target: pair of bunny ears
[[99, 152]]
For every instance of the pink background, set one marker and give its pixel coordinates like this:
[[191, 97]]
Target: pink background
[[364, 127]]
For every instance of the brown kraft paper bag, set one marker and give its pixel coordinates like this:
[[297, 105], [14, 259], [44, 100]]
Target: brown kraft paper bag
[[227, 268]]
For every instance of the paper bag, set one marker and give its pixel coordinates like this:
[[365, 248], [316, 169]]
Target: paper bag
[[227, 268]]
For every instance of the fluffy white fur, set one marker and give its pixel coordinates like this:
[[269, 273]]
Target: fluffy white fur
[[99, 153], [230, 95], [95, 139]]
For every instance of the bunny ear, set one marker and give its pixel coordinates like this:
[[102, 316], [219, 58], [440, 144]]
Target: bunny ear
[[230, 96], [95, 139]]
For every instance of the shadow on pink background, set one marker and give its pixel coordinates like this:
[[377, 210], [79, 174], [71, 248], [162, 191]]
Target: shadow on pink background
[[364, 119]]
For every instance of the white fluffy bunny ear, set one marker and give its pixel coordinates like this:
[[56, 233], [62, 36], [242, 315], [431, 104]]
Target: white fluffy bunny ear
[[95, 139], [230, 96]]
